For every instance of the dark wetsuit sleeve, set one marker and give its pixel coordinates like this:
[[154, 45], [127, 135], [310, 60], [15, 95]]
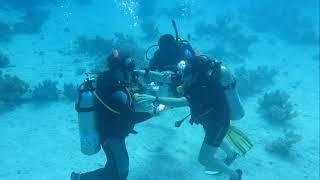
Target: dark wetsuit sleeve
[[154, 62], [191, 50], [186, 52], [122, 100]]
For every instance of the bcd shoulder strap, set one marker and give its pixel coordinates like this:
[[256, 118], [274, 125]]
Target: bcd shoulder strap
[[110, 108]]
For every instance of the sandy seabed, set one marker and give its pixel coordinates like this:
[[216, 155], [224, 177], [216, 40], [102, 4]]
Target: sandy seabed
[[42, 142]]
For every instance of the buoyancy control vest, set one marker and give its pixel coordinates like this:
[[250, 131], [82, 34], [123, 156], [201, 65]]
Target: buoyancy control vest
[[211, 92], [97, 114], [111, 123]]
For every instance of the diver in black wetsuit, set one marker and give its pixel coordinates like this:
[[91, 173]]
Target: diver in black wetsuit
[[205, 85], [209, 107], [115, 118], [169, 54], [172, 52]]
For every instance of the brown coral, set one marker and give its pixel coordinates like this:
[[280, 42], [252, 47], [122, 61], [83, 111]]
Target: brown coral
[[283, 145], [11, 91], [276, 106]]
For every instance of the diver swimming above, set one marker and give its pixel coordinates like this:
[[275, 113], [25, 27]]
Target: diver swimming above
[[209, 90]]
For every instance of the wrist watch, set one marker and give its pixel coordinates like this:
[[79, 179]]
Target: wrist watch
[[155, 105]]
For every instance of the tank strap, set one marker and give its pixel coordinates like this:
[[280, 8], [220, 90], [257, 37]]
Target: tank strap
[[130, 96], [88, 109], [80, 109], [104, 104]]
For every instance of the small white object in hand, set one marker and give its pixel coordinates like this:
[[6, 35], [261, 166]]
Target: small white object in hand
[[160, 107]]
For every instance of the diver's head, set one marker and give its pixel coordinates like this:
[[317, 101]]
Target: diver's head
[[120, 61], [194, 67], [199, 63], [167, 43]]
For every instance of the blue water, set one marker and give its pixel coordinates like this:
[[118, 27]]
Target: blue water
[[40, 138]]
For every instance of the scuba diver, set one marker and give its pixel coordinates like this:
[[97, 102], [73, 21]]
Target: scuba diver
[[209, 90], [171, 51], [115, 117]]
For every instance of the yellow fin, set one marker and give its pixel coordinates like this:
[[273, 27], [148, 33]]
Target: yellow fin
[[239, 140]]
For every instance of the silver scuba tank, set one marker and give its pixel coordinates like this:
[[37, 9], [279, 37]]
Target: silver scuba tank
[[229, 83], [85, 106]]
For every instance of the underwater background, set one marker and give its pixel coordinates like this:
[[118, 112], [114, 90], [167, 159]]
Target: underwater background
[[46, 46]]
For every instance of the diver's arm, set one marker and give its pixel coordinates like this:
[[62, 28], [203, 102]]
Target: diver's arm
[[154, 61], [163, 77], [126, 112], [173, 102], [139, 117], [144, 101]]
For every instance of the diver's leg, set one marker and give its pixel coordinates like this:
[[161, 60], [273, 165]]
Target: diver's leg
[[121, 158], [207, 159], [231, 154], [226, 148], [215, 133], [99, 173], [117, 165]]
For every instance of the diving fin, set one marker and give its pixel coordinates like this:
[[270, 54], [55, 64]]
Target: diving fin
[[240, 141]]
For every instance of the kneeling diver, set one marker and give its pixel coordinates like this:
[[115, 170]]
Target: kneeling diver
[[115, 117]]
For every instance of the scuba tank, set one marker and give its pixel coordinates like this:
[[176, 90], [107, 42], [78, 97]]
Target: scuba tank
[[228, 82], [85, 106]]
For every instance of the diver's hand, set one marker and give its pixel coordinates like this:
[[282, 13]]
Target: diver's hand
[[164, 76], [144, 103], [159, 108]]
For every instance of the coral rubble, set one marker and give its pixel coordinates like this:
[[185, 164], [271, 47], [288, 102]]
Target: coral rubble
[[45, 91], [12, 90], [283, 146], [276, 106]]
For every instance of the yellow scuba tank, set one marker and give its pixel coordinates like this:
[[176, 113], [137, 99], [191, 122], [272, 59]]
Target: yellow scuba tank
[[85, 106], [229, 83]]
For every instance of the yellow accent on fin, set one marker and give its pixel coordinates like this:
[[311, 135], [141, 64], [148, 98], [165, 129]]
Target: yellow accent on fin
[[239, 140]]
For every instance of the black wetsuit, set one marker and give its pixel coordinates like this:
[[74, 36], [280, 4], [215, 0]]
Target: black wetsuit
[[114, 128], [208, 105], [166, 61]]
